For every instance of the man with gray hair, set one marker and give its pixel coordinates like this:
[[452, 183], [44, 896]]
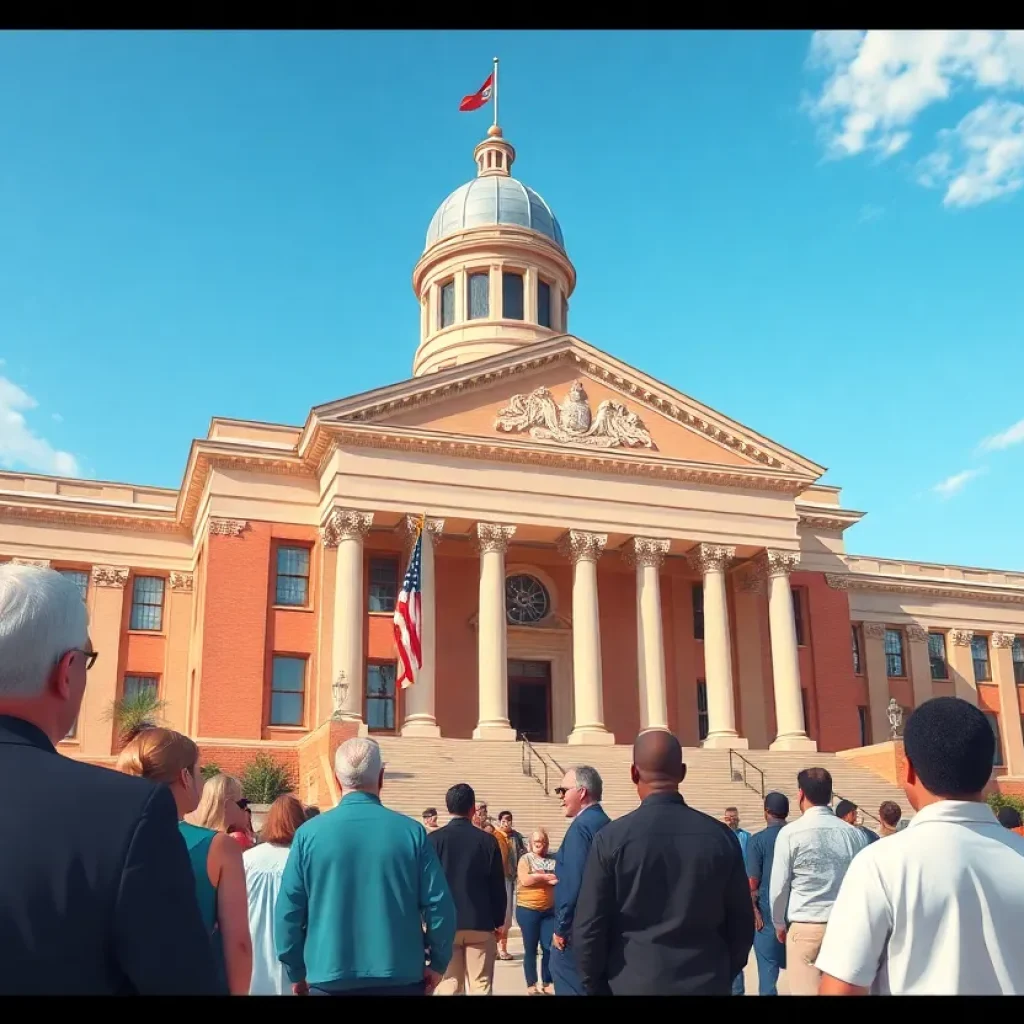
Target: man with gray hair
[[100, 899], [364, 907], [581, 790]]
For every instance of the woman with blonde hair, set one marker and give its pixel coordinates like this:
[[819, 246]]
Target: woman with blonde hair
[[223, 809], [535, 910], [168, 757], [264, 867]]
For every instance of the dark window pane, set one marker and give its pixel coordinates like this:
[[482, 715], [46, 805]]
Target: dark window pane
[[543, 303], [293, 561], [135, 686], [698, 610], [380, 696], [383, 584], [702, 710], [565, 314], [894, 653], [147, 603], [993, 720], [286, 709], [798, 616], [79, 578], [479, 296], [855, 640], [937, 655], [289, 674], [511, 295], [292, 577], [1018, 660], [979, 653], [448, 304], [865, 726]]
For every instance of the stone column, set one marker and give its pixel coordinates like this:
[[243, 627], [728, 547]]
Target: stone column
[[345, 530], [1009, 706], [878, 680], [584, 549], [647, 554], [791, 729], [96, 728], [492, 641], [710, 560], [961, 664], [920, 664], [420, 698]]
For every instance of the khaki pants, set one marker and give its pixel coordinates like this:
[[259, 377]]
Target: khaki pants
[[803, 943], [473, 956]]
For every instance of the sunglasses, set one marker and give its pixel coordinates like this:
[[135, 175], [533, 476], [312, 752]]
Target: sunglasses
[[243, 805], [560, 791]]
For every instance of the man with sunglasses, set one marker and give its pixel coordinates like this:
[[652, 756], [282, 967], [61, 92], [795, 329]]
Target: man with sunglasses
[[580, 793], [97, 892]]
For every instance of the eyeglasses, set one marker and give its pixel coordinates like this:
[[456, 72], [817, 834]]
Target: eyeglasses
[[90, 656]]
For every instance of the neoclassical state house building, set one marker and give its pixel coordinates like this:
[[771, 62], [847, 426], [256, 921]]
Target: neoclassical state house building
[[604, 554]]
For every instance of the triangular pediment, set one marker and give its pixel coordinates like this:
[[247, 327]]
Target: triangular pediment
[[527, 398]]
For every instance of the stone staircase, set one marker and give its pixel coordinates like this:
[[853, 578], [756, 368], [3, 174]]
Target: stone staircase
[[505, 775]]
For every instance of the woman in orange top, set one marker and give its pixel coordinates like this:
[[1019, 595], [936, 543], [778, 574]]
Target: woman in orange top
[[535, 910]]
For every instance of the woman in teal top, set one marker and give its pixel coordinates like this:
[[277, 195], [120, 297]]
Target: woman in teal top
[[167, 757]]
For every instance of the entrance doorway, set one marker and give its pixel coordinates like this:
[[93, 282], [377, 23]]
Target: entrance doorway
[[529, 699]]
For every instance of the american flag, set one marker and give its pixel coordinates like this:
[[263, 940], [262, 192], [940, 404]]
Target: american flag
[[409, 619]]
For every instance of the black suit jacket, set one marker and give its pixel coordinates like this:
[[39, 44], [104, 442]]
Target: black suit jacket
[[471, 859], [97, 894], [664, 908]]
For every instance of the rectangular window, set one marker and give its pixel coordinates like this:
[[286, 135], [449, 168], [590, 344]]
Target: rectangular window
[[979, 654], [479, 296], [147, 603], [287, 690], [702, 710], [865, 726], [1018, 659], [79, 578], [511, 295], [894, 665], [292, 587], [937, 655], [858, 667], [141, 686], [993, 720], [447, 311], [798, 616], [380, 696], [383, 584], [543, 303], [698, 610]]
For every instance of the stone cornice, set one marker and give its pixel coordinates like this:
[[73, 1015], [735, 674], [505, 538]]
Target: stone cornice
[[835, 519], [64, 512], [499, 449], [39, 563], [951, 590]]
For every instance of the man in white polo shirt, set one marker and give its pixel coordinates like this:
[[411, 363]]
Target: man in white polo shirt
[[939, 908], [810, 861]]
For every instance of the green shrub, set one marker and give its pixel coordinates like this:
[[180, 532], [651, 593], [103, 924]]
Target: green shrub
[[264, 780], [999, 800], [136, 711], [209, 770]]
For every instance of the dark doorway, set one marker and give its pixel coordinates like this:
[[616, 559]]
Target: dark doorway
[[529, 699]]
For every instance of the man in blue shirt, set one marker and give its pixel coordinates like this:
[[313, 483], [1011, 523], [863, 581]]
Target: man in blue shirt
[[364, 907], [768, 951], [581, 791], [732, 819]]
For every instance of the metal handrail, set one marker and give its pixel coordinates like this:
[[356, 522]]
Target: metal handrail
[[529, 751], [741, 775], [837, 797]]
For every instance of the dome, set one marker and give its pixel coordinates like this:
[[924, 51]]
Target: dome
[[491, 200]]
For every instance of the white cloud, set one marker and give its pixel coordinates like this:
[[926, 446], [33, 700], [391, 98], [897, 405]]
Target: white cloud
[[878, 82], [20, 446], [955, 484], [1007, 439]]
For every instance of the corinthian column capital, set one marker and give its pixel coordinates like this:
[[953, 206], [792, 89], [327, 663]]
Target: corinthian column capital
[[707, 558], [961, 637], [1003, 639], [779, 563], [432, 528], [110, 576], [580, 546], [345, 524], [493, 537], [645, 551]]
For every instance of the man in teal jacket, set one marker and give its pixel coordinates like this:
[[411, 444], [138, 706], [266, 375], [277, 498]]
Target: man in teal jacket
[[360, 886]]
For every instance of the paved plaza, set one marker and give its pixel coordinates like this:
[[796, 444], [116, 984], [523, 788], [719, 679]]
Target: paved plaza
[[509, 981]]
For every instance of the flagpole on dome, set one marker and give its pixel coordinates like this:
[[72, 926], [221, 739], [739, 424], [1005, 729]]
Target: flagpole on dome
[[495, 92]]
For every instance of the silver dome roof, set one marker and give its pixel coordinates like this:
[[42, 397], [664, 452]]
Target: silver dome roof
[[493, 200]]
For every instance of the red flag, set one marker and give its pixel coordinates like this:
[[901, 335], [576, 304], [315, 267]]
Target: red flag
[[480, 97]]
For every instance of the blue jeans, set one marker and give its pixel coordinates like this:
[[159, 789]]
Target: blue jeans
[[738, 986], [563, 971], [537, 927], [771, 958]]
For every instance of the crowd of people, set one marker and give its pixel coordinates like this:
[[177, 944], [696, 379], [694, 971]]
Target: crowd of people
[[147, 881]]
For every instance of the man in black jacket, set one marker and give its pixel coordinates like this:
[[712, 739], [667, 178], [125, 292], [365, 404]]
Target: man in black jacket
[[97, 896], [664, 908], [472, 865]]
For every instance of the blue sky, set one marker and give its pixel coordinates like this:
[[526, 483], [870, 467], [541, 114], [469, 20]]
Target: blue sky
[[817, 235]]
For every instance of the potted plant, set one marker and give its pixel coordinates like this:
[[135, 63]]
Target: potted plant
[[135, 711], [263, 781]]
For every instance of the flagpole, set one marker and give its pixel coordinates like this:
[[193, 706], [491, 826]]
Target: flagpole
[[495, 92]]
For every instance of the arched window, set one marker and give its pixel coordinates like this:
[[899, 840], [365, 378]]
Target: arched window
[[526, 600]]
